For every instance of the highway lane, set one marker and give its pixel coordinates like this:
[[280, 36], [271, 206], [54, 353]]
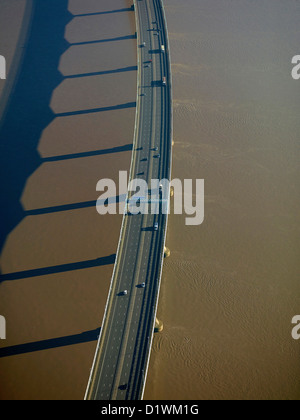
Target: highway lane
[[120, 366]]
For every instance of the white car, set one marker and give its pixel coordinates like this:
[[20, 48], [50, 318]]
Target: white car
[[155, 226]]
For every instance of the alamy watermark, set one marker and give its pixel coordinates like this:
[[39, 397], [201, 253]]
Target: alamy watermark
[[2, 328], [2, 67], [137, 197], [296, 329], [296, 69]]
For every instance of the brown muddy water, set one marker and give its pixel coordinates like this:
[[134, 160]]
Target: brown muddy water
[[70, 123], [231, 286]]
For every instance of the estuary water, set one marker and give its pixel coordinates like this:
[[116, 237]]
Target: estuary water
[[231, 285]]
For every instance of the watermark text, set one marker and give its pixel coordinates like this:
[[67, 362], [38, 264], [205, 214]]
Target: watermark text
[[2, 328], [137, 197], [2, 67], [296, 329], [296, 69]]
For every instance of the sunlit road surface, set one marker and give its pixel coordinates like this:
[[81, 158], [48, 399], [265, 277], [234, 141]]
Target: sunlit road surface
[[122, 356]]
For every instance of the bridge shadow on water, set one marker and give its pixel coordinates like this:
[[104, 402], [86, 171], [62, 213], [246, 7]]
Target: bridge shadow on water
[[117, 149], [108, 12], [26, 117], [98, 262], [101, 41], [102, 73], [28, 111], [85, 337]]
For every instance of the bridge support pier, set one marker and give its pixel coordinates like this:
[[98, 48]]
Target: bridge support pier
[[167, 252], [159, 326]]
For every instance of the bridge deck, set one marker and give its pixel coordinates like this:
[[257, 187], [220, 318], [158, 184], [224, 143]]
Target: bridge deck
[[121, 361]]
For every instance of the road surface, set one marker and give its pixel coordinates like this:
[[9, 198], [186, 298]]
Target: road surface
[[121, 361]]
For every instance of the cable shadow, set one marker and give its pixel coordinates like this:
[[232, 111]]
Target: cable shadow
[[98, 262], [118, 149], [102, 73], [63, 207], [76, 206], [106, 13], [96, 110], [101, 41], [52, 343], [157, 51], [147, 229]]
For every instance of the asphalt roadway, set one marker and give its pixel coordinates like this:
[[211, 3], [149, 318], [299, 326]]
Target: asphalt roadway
[[121, 361]]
